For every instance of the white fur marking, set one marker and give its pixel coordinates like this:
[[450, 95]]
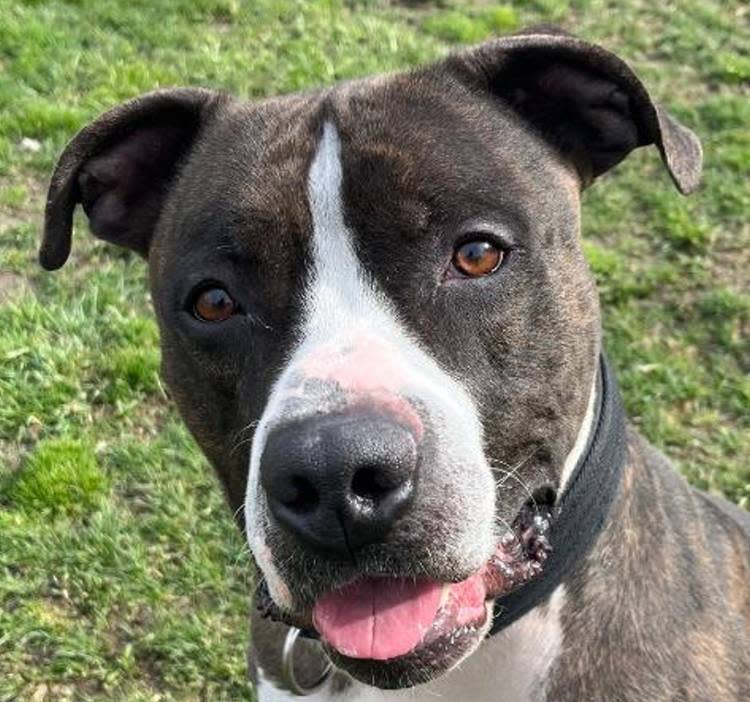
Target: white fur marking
[[344, 308], [582, 440]]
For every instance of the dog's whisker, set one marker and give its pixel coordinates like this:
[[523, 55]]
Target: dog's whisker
[[238, 510], [524, 486], [517, 467], [248, 427], [513, 474], [504, 522], [238, 445]]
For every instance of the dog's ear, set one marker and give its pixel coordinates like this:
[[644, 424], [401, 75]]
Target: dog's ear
[[120, 167], [581, 98]]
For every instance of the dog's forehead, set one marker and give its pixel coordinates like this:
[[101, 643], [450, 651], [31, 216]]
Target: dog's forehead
[[415, 148], [435, 143]]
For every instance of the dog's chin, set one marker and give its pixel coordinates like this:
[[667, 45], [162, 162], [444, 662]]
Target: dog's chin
[[429, 660], [395, 631]]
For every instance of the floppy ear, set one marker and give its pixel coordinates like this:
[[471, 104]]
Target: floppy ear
[[120, 168], [582, 99]]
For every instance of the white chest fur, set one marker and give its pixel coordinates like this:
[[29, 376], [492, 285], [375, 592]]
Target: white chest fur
[[512, 666]]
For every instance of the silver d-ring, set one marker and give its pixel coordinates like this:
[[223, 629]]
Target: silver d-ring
[[289, 678]]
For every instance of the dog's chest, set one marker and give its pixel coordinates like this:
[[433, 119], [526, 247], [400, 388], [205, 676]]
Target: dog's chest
[[512, 666]]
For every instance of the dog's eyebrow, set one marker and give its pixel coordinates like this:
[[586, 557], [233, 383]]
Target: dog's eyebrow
[[227, 246]]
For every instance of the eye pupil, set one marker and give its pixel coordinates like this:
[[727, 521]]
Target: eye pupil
[[214, 305], [477, 258]]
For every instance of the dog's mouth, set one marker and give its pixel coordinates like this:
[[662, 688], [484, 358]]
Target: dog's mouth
[[386, 618], [397, 631]]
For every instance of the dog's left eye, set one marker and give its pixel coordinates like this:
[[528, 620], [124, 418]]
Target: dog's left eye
[[214, 304], [477, 258]]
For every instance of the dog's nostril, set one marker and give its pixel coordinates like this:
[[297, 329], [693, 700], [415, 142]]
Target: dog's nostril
[[368, 484], [300, 495]]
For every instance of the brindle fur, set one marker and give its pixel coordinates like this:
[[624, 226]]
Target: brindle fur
[[660, 609]]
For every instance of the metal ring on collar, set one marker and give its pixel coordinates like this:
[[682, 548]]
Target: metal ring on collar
[[289, 678]]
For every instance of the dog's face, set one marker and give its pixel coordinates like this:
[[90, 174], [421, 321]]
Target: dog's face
[[377, 321], [397, 290]]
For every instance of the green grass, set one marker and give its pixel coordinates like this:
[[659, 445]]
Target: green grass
[[121, 574], [59, 476]]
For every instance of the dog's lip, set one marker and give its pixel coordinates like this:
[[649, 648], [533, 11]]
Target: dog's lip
[[383, 618], [519, 556]]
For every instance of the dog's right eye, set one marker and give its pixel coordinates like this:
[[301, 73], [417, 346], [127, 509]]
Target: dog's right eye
[[213, 304], [477, 258]]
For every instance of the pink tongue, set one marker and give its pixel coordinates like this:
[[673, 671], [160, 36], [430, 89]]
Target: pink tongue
[[377, 618]]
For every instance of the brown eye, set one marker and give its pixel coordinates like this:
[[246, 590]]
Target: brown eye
[[214, 305], [477, 258]]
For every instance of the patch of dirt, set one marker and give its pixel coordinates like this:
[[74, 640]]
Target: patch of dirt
[[10, 461], [32, 208], [12, 286], [731, 259]]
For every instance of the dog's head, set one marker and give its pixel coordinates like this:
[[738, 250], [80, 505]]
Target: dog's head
[[376, 318]]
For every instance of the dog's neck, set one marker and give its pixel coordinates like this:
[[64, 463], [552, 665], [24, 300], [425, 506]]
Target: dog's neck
[[582, 507]]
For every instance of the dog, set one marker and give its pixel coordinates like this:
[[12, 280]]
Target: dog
[[377, 321]]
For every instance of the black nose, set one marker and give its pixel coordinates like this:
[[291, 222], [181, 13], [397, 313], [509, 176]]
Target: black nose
[[339, 482]]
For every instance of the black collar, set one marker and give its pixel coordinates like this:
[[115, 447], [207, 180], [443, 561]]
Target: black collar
[[580, 513]]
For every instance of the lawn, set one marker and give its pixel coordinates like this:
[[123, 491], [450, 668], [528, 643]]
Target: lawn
[[121, 575]]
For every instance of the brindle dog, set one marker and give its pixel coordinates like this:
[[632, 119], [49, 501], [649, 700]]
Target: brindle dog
[[382, 283]]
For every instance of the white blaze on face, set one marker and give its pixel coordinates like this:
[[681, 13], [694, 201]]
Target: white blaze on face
[[351, 334]]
